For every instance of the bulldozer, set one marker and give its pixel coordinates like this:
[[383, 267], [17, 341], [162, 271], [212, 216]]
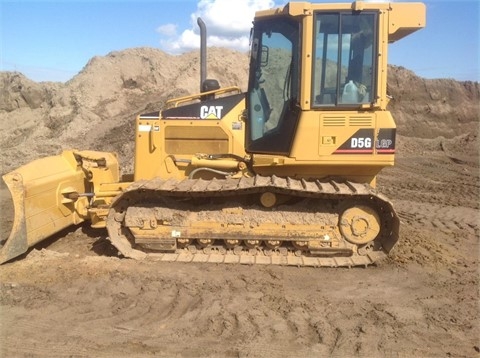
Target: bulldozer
[[284, 173]]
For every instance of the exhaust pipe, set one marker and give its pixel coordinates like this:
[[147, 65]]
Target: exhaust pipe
[[203, 52], [206, 85]]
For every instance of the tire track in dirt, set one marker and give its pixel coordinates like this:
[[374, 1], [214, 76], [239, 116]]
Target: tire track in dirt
[[112, 307], [441, 217]]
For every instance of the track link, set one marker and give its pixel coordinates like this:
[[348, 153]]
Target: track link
[[200, 189]]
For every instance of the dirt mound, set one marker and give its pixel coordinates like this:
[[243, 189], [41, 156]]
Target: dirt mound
[[97, 108], [430, 108]]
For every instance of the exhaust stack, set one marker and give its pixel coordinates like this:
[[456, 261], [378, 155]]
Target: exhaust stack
[[205, 84], [203, 52]]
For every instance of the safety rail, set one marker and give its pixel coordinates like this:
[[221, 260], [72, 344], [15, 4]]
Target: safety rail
[[175, 102]]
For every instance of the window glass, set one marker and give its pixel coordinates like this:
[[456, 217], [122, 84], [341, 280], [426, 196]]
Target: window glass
[[275, 71], [344, 58]]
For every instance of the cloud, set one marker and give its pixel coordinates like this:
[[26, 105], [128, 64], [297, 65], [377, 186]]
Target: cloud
[[228, 25], [167, 30]]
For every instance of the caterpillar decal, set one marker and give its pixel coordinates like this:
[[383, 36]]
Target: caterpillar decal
[[207, 109]]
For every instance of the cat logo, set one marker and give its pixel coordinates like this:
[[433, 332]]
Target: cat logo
[[211, 112]]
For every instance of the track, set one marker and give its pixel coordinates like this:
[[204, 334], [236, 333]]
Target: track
[[261, 258], [132, 212]]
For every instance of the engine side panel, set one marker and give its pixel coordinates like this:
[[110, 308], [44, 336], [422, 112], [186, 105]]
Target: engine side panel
[[165, 142]]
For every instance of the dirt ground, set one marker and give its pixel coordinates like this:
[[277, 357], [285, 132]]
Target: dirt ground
[[73, 296]]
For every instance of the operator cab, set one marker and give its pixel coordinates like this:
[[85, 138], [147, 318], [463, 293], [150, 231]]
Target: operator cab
[[344, 44]]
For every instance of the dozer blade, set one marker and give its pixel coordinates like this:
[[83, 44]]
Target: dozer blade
[[45, 200]]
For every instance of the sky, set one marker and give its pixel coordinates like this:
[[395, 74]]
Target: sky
[[52, 40]]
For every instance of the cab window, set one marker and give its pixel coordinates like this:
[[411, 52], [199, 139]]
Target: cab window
[[344, 67], [272, 100]]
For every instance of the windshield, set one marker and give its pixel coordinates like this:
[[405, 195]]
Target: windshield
[[344, 65], [273, 85]]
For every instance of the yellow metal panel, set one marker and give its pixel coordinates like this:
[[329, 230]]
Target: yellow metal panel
[[193, 139], [404, 19]]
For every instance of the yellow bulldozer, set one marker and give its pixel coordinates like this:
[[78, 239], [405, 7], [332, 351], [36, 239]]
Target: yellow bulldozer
[[284, 173]]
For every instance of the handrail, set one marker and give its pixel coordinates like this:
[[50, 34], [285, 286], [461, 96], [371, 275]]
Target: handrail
[[174, 102]]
